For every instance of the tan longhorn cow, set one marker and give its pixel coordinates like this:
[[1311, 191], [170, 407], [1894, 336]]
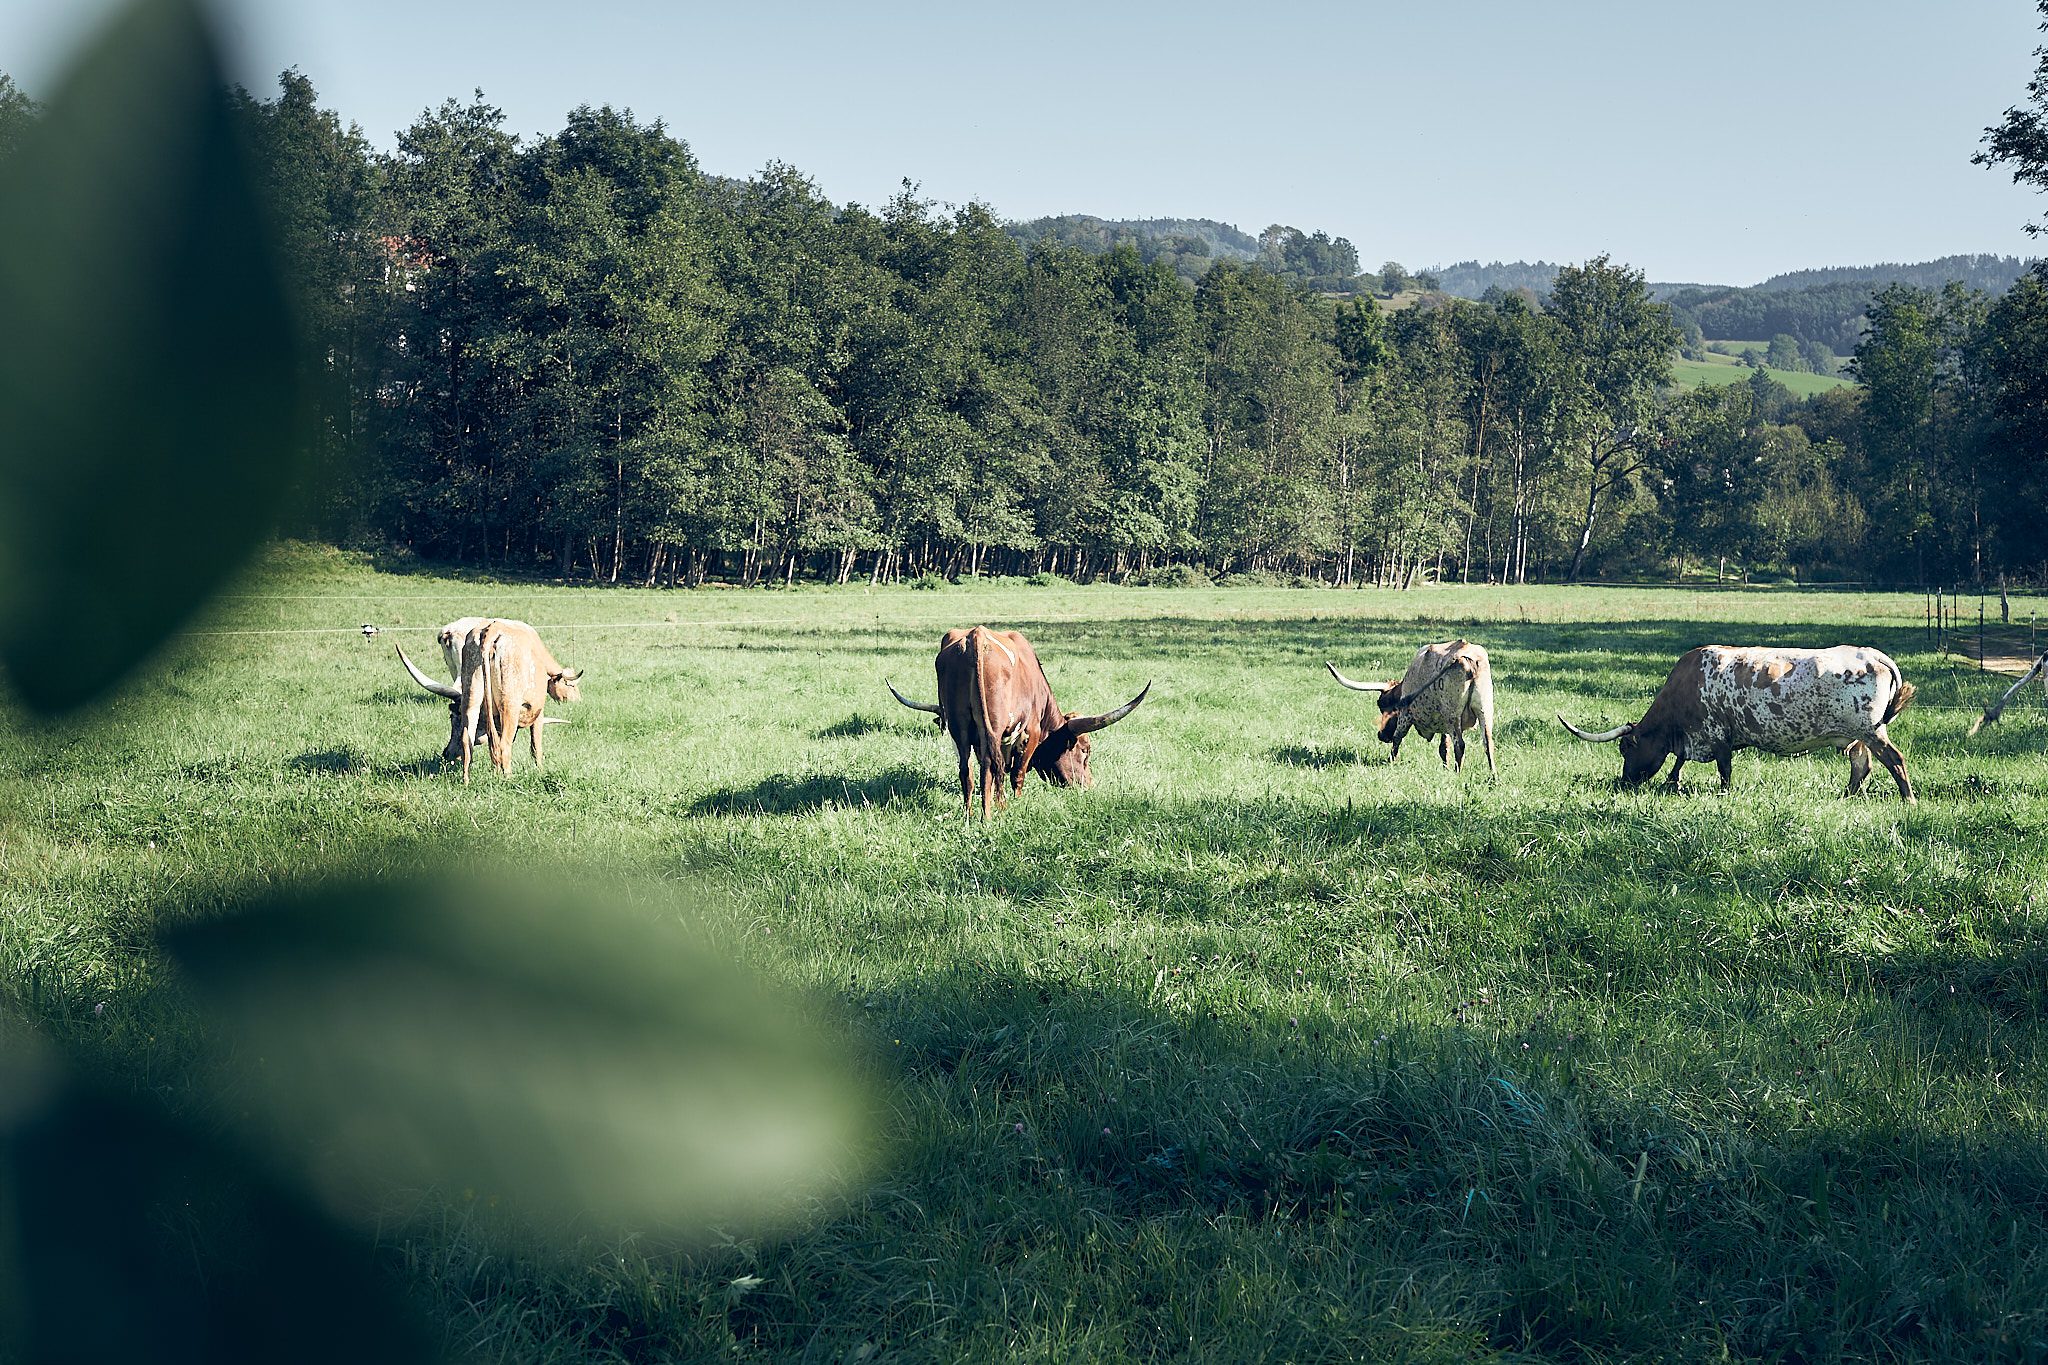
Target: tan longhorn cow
[[505, 677]]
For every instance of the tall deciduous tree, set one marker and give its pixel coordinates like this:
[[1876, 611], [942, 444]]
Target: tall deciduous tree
[[1921, 419], [1621, 342], [449, 210], [2021, 139], [320, 182]]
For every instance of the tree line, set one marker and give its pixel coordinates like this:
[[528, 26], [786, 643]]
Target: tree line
[[583, 356]]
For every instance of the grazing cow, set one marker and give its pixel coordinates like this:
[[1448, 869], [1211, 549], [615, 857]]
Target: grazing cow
[[506, 676], [995, 702], [1447, 690], [1783, 701]]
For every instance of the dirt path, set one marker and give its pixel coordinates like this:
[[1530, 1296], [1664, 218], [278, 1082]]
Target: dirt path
[[2006, 648]]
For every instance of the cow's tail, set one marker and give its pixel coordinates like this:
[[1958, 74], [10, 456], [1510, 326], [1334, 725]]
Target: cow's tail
[[1900, 698], [493, 687]]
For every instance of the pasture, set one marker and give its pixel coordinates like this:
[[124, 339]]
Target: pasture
[[1264, 1049], [1691, 374]]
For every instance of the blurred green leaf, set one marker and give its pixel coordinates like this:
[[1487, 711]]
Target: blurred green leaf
[[574, 1056], [125, 1236], [148, 362]]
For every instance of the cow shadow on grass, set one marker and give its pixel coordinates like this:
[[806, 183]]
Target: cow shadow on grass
[[853, 727], [348, 762], [335, 761], [1318, 756], [787, 794]]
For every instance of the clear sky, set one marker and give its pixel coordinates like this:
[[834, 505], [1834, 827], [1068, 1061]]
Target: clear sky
[[1718, 143]]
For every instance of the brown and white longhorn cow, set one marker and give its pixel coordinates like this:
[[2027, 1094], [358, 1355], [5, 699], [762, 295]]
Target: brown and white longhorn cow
[[1447, 690], [1784, 701], [505, 677], [995, 703]]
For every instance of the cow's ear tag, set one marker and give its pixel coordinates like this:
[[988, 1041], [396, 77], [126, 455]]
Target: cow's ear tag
[[149, 365]]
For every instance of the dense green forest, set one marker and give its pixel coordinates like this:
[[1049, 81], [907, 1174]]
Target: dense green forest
[[1993, 274], [1188, 245], [581, 356]]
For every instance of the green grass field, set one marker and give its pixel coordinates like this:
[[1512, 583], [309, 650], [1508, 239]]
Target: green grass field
[[1263, 1049], [1691, 374]]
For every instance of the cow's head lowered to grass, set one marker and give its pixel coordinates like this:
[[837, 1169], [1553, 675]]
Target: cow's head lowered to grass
[[459, 738], [1389, 701]]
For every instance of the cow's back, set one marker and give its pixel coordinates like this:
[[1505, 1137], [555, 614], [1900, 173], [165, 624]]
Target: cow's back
[[1793, 701], [1447, 688], [452, 636], [954, 666], [517, 665]]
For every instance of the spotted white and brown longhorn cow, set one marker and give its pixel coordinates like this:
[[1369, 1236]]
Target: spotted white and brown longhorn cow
[[1447, 690], [995, 702], [504, 677], [1719, 699]]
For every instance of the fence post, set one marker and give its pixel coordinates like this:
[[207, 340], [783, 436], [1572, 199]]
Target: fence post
[[1980, 635]]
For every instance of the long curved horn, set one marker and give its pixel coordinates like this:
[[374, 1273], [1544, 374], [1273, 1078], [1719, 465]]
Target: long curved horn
[[1082, 725], [1605, 735], [439, 689], [913, 705], [1354, 686]]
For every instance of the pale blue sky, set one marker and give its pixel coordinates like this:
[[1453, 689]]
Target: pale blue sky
[[1699, 141]]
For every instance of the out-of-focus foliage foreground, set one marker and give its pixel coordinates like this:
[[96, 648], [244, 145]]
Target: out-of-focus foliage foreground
[[573, 1050]]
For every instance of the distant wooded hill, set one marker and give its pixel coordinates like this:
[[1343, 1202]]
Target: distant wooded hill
[[1823, 307], [1471, 280], [1190, 245], [1993, 274]]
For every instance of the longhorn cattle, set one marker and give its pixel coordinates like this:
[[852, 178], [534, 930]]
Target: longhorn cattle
[[1447, 690], [1784, 701], [505, 676], [996, 704]]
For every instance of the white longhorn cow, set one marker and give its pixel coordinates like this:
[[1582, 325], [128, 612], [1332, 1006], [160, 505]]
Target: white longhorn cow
[[1447, 690]]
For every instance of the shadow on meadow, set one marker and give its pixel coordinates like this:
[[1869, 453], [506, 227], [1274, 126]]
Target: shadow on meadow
[[348, 762], [329, 761], [783, 794], [1324, 756], [1556, 1215], [853, 727], [1610, 660]]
